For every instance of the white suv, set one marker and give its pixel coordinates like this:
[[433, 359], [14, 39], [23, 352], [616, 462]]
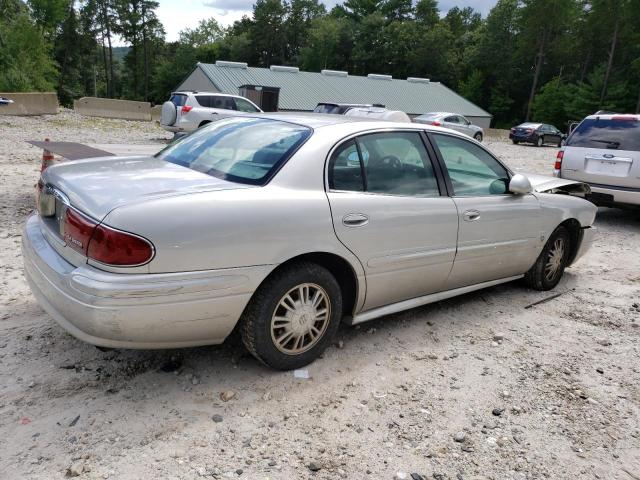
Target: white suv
[[188, 111], [604, 151]]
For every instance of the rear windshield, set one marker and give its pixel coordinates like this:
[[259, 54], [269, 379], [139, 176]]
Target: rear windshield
[[178, 99], [327, 108], [622, 133], [533, 126], [242, 150]]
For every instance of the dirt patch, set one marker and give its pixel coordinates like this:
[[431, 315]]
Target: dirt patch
[[475, 387]]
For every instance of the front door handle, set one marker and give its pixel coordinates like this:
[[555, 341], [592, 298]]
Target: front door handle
[[355, 220], [471, 215]]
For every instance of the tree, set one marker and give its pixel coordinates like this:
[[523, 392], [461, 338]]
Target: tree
[[268, 31], [541, 22]]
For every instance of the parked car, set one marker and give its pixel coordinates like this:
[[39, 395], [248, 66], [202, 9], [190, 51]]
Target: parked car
[[187, 111], [341, 108], [604, 151], [537, 133], [379, 113], [285, 225], [5, 101], [452, 121]]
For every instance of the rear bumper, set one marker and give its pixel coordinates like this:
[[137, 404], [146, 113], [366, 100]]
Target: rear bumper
[[522, 138], [136, 310], [588, 235], [619, 195]]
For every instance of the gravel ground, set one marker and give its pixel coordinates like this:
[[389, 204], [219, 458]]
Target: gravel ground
[[476, 387]]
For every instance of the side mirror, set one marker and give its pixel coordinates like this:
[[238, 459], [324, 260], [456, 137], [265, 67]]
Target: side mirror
[[520, 185]]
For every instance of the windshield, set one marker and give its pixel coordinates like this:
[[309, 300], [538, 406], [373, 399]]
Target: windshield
[[622, 133], [243, 150]]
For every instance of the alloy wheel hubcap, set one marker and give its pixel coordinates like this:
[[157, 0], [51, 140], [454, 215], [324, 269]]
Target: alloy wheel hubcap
[[555, 260], [300, 318]]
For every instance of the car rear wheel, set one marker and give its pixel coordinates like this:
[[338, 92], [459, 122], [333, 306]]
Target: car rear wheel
[[549, 267], [478, 137], [539, 142], [515, 142], [293, 316]]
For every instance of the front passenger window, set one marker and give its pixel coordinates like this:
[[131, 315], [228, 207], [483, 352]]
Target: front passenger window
[[473, 171]]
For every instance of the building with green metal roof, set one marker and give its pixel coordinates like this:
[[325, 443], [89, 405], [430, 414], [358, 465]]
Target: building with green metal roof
[[290, 89]]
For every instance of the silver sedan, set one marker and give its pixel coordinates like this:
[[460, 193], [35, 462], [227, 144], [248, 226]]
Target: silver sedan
[[286, 225], [456, 122]]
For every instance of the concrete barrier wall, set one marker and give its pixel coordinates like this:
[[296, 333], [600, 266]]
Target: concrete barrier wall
[[36, 103], [156, 112], [110, 108]]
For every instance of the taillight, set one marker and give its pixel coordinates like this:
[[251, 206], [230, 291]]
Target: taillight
[[436, 124], [77, 230], [513, 130], [105, 244], [559, 157], [528, 130], [115, 247], [186, 109]]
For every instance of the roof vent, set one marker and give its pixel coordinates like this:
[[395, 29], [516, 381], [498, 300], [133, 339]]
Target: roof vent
[[223, 63], [282, 68], [418, 80], [375, 76], [334, 73]]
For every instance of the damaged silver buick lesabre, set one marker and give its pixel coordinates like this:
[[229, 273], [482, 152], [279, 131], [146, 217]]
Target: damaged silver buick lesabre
[[285, 225]]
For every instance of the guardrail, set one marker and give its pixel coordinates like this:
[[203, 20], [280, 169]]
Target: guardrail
[[30, 103]]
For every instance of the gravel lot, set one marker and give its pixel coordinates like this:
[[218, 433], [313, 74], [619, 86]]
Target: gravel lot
[[476, 387]]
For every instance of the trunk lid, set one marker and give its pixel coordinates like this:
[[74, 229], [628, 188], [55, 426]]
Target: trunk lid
[[606, 167], [97, 186]]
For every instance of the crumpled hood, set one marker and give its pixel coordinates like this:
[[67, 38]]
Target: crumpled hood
[[545, 183]]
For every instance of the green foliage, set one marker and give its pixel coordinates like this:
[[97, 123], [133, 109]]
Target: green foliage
[[26, 62], [553, 60]]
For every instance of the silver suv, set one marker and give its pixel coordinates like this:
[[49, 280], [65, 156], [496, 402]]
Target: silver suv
[[604, 151], [187, 111]]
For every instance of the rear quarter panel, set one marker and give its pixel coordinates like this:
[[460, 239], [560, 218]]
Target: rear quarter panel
[[232, 228]]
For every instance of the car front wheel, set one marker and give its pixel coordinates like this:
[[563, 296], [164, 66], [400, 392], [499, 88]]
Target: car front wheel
[[549, 267], [293, 316], [539, 142]]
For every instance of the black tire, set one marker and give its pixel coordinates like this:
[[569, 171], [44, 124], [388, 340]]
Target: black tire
[[515, 142], [539, 141], [537, 277], [256, 320], [478, 137], [203, 123]]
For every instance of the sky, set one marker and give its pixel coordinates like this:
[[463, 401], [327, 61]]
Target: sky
[[177, 15]]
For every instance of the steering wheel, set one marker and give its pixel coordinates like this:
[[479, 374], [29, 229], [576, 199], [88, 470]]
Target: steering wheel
[[391, 161]]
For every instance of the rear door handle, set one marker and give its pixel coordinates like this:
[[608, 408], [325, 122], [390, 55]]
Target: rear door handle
[[471, 215], [355, 220]]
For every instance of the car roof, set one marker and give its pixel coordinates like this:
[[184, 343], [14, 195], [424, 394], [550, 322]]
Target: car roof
[[355, 124], [192, 92], [609, 116]]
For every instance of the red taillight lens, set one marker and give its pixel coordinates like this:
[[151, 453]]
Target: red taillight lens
[[528, 130], [513, 130], [78, 230], [559, 157], [186, 109], [118, 248], [436, 124]]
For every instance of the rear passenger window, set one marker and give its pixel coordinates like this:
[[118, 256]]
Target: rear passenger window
[[216, 101], [393, 163], [345, 169], [244, 106]]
